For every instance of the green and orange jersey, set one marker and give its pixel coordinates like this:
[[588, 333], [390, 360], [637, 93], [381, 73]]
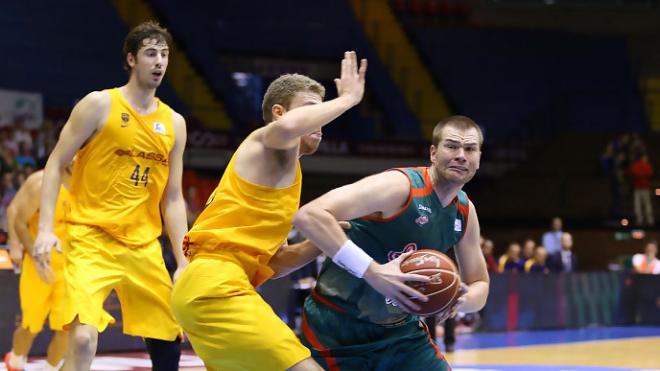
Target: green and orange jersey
[[423, 223]]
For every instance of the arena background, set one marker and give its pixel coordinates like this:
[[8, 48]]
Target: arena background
[[566, 91]]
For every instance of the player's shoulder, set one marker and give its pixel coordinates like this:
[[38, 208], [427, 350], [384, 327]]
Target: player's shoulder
[[33, 181], [98, 98]]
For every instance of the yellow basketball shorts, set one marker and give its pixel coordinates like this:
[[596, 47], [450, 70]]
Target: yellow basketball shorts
[[40, 300], [96, 263], [228, 323]]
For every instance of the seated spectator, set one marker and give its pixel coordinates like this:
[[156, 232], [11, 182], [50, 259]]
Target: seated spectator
[[648, 262], [487, 248], [528, 249], [511, 261], [537, 264], [24, 157], [564, 260]]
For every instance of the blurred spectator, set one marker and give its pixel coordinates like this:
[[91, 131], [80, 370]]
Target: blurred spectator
[[21, 134], [487, 248], [194, 204], [537, 264], [24, 157], [7, 190], [648, 262], [528, 249], [511, 262], [564, 260], [641, 173], [552, 239], [611, 166], [7, 162], [7, 140], [45, 142]]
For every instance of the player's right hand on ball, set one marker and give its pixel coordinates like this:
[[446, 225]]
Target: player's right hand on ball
[[351, 82], [388, 280]]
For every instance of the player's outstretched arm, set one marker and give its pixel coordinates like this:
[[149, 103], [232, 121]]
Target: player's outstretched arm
[[87, 116], [287, 129], [472, 266], [172, 204], [290, 258], [384, 193]]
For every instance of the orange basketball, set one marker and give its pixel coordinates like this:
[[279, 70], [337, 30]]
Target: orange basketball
[[445, 283]]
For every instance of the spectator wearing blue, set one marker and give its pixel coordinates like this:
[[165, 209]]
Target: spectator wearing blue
[[24, 157], [511, 261], [552, 239], [564, 260]]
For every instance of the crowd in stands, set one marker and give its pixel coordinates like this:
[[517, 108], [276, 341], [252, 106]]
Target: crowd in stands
[[22, 151], [626, 164]]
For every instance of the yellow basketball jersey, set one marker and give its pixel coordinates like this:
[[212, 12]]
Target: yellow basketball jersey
[[61, 210], [244, 222], [119, 176]]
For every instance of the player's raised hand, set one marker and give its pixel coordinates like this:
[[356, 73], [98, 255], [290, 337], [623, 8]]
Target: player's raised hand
[[351, 82], [41, 254], [388, 280]]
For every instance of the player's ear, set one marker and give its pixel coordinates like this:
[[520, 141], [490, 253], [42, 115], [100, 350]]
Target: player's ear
[[277, 111]]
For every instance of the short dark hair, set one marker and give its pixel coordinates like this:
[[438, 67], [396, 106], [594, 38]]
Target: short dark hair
[[141, 32], [459, 122]]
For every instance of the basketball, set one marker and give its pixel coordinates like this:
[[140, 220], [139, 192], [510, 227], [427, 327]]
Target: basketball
[[445, 283]]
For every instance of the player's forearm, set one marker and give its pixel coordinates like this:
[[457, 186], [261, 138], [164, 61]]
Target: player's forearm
[[307, 119], [176, 225], [321, 228], [24, 237], [293, 257], [50, 188], [475, 298]]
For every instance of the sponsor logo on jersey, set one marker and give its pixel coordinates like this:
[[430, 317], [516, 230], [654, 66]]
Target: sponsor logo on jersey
[[159, 128], [423, 219], [458, 226], [425, 208], [395, 254], [152, 156], [125, 118]]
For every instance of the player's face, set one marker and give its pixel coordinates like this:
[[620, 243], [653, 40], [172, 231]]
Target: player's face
[[308, 143], [151, 63], [457, 156]]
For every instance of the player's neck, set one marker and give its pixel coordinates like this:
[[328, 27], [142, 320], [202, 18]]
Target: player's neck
[[445, 190], [141, 99]]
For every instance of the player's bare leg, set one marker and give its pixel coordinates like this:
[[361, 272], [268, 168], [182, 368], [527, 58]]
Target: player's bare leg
[[57, 348], [82, 346]]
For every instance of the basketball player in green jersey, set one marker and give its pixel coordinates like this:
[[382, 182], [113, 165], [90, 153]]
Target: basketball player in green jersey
[[355, 318]]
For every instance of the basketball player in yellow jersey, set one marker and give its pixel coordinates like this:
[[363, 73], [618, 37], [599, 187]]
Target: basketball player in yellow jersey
[[39, 299], [129, 148], [246, 220]]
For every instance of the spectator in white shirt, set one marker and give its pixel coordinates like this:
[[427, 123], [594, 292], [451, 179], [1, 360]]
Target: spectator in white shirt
[[647, 263]]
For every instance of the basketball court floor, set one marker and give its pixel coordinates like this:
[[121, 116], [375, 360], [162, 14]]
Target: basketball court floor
[[591, 349]]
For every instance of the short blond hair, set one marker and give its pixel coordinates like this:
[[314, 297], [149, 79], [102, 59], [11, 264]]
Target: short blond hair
[[282, 90], [458, 122]]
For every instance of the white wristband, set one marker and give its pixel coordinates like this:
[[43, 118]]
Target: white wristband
[[352, 258]]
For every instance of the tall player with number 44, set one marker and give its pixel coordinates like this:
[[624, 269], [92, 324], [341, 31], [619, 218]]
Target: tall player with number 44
[[128, 167]]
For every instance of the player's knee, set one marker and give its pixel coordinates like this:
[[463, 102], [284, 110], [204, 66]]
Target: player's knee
[[83, 342]]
